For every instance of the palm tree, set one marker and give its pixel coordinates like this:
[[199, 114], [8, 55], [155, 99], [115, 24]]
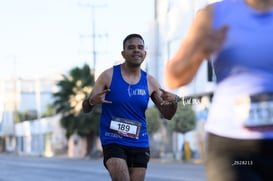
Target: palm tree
[[73, 89]]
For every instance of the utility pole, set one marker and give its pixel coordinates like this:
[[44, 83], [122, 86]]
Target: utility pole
[[94, 35]]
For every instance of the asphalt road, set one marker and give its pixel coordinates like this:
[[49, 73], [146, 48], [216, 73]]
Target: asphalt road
[[33, 168]]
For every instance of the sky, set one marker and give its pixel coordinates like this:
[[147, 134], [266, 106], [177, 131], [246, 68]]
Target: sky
[[40, 38]]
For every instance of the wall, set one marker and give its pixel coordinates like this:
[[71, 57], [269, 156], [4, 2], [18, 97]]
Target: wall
[[43, 137]]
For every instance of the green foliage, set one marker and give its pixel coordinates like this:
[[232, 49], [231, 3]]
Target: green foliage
[[73, 89], [18, 117], [89, 122], [50, 111], [184, 120], [25, 116], [153, 120]]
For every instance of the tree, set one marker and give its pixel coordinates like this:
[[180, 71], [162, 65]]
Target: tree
[[183, 121], [50, 111], [153, 120], [73, 89], [25, 116], [153, 125]]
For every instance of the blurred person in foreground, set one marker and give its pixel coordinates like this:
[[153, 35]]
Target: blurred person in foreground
[[124, 91], [237, 36]]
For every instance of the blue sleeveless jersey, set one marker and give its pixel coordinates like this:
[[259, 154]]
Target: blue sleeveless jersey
[[128, 102], [244, 65]]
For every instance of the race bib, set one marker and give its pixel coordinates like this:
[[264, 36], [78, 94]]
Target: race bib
[[125, 127], [255, 111]]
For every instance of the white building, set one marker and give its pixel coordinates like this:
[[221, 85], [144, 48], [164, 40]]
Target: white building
[[44, 137], [22, 95]]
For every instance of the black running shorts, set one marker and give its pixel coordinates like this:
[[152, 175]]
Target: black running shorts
[[134, 156]]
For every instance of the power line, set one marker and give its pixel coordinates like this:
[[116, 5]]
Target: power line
[[94, 35]]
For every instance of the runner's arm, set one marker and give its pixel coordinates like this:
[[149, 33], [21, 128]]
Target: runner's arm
[[97, 95], [165, 101]]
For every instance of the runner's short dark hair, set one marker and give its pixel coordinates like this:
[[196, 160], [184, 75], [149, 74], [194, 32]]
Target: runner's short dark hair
[[130, 37]]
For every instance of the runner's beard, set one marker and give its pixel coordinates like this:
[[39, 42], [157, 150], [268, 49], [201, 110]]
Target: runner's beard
[[134, 65]]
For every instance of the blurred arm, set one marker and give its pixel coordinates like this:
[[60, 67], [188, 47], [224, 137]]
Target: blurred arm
[[182, 67]]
